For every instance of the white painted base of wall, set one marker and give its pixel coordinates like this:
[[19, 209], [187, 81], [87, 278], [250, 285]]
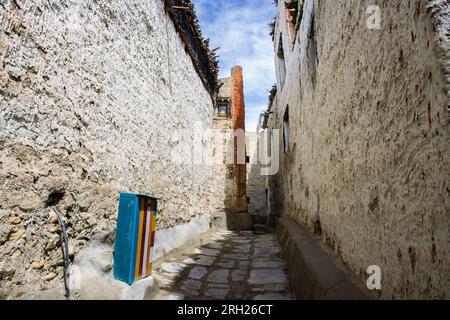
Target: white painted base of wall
[[181, 235], [93, 266]]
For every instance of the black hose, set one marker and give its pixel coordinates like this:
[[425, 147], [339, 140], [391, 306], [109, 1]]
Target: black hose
[[65, 252]]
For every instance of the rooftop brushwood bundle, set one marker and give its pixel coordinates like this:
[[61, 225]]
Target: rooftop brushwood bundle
[[271, 25], [205, 59], [272, 94]]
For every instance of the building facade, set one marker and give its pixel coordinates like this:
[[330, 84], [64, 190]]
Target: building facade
[[91, 96], [364, 144], [256, 182], [230, 150]]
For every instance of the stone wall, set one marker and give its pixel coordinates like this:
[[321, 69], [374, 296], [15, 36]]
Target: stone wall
[[222, 148], [256, 182], [90, 93], [276, 183], [367, 170]]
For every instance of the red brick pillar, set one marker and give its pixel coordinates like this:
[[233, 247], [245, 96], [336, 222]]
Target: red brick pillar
[[237, 98], [239, 198]]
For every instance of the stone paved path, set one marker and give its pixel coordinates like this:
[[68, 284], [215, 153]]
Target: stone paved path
[[231, 265]]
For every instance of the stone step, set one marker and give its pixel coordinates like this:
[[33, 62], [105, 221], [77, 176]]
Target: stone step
[[263, 227]]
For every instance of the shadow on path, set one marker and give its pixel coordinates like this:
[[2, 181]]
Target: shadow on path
[[231, 265]]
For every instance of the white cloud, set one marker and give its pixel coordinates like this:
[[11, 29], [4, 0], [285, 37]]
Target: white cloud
[[239, 28]]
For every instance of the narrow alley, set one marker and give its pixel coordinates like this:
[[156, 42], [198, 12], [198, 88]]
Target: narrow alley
[[229, 265], [214, 150]]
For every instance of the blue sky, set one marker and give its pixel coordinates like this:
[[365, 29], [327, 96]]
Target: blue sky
[[239, 28]]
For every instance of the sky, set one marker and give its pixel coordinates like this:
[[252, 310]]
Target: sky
[[239, 28]]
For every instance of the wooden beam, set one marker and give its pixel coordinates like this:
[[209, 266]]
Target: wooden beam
[[180, 8]]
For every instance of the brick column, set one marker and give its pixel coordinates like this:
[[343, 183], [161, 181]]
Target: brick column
[[237, 98], [239, 198]]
